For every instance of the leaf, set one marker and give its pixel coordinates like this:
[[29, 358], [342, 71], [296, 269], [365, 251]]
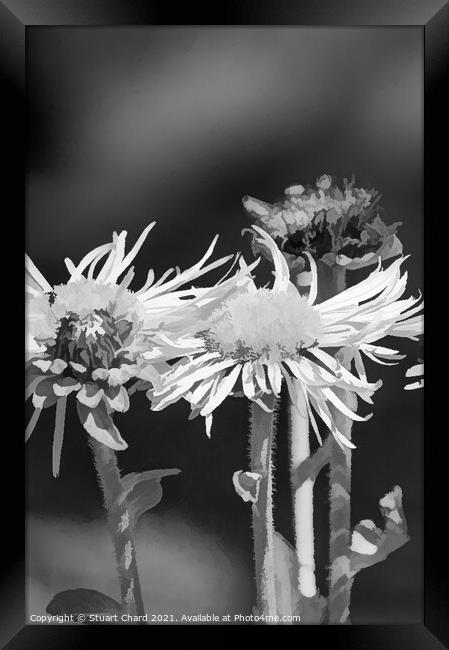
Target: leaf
[[143, 490], [83, 601], [286, 576]]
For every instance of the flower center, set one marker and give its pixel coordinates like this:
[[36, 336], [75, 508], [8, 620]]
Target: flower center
[[86, 323], [94, 341], [263, 323]]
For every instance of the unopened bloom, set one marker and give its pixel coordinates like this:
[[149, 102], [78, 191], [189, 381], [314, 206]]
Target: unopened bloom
[[93, 334], [339, 227], [259, 337]]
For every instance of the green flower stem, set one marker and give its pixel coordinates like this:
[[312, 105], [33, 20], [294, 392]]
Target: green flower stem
[[120, 525], [340, 576], [331, 281], [302, 498], [261, 448]]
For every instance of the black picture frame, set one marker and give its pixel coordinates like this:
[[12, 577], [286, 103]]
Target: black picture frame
[[16, 16]]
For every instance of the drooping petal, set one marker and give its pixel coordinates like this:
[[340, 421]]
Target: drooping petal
[[208, 421], [310, 413], [346, 379], [342, 407], [247, 380], [359, 365], [200, 392], [275, 377], [222, 391], [319, 404], [202, 373]]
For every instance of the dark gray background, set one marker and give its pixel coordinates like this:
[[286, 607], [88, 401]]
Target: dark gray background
[[128, 125]]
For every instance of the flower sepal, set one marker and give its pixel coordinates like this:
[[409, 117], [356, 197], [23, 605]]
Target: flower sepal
[[44, 395], [98, 423]]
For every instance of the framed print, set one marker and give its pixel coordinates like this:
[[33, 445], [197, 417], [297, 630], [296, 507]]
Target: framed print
[[224, 228]]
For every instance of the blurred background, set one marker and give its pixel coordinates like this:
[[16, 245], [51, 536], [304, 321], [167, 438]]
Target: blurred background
[[132, 124]]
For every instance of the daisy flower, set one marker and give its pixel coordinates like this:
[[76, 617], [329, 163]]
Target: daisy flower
[[93, 334], [338, 226], [260, 337]]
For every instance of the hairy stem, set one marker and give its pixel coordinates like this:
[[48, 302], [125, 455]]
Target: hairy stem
[[120, 526], [261, 447], [332, 281]]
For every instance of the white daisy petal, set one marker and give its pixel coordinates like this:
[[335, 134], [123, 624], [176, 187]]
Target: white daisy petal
[[77, 271], [135, 249], [208, 421], [222, 391], [342, 407], [321, 408], [415, 385], [415, 371], [35, 276], [205, 372], [202, 390], [281, 270], [275, 377], [309, 412], [247, 380]]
